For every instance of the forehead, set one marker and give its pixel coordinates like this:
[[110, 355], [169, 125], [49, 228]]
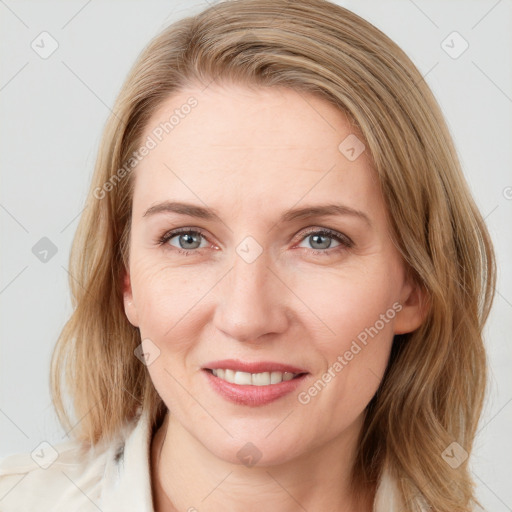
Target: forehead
[[260, 147], [241, 118]]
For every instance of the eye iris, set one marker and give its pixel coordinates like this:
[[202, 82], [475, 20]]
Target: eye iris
[[314, 240], [189, 240]]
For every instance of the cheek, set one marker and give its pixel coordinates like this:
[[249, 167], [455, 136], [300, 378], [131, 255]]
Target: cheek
[[356, 310], [346, 303], [163, 296], [166, 298]]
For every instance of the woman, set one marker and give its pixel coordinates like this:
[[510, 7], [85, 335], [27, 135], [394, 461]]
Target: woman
[[282, 283]]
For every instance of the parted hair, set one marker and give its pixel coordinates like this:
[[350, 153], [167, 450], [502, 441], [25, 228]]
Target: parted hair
[[433, 389]]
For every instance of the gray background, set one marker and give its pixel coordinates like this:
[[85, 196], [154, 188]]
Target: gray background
[[53, 111]]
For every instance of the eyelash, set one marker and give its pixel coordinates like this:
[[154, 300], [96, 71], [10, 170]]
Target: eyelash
[[345, 241]]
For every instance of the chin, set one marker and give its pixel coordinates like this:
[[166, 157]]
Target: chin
[[255, 450]]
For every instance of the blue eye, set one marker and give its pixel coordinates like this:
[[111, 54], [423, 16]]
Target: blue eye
[[189, 241], [321, 241]]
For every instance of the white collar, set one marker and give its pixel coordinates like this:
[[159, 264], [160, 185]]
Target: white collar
[[127, 478]]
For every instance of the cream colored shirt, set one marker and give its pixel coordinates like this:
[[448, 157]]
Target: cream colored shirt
[[109, 478]]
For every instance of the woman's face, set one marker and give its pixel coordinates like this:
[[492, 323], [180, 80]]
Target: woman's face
[[252, 278]]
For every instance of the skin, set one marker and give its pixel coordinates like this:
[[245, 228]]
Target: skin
[[251, 155]]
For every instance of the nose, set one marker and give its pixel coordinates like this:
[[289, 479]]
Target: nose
[[252, 300]]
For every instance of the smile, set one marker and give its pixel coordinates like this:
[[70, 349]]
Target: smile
[[253, 379]]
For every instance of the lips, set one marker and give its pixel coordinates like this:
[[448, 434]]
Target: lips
[[274, 380], [253, 367], [252, 395]]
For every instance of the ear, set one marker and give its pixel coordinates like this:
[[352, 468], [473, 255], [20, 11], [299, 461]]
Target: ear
[[129, 306], [415, 307]]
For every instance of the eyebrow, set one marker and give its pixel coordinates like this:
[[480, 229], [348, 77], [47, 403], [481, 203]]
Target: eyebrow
[[288, 216]]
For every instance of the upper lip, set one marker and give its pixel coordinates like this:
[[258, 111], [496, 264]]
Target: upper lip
[[253, 367]]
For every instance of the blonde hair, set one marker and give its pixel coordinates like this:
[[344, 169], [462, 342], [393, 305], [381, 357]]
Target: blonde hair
[[433, 389]]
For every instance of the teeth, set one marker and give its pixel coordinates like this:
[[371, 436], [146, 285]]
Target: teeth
[[243, 378], [260, 379], [254, 379]]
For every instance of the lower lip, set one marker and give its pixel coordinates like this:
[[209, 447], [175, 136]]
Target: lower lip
[[252, 395]]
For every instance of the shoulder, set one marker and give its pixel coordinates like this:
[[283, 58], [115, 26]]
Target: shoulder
[[388, 497], [65, 476]]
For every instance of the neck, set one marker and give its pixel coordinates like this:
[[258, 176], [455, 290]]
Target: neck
[[187, 477]]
